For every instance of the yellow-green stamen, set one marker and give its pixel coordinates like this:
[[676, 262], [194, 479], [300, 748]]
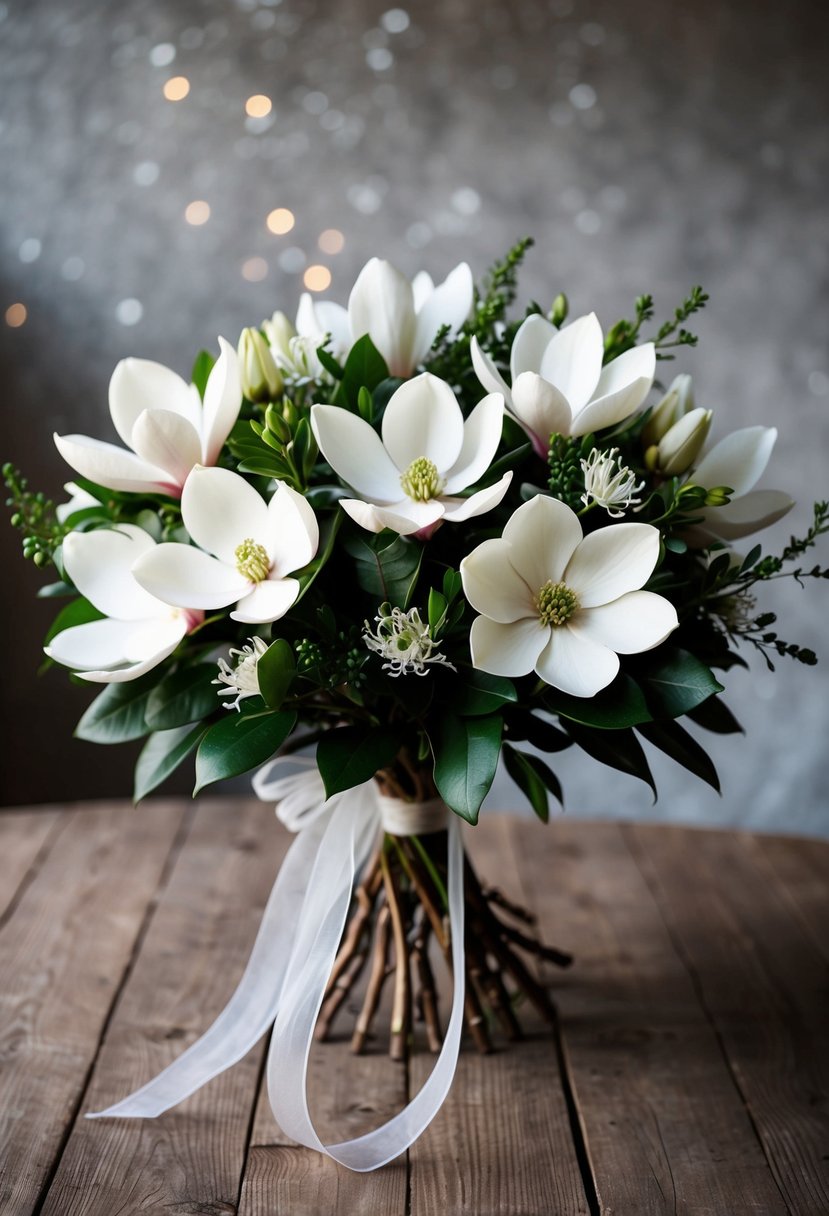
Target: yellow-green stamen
[[252, 560], [421, 481], [556, 603]]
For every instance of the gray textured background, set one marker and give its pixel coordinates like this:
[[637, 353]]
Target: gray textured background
[[646, 146]]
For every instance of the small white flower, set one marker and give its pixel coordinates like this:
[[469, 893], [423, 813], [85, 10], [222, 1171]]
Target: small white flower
[[242, 679], [563, 604], [609, 486], [79, 500], [739, 461], [407, 480], [403, 641]]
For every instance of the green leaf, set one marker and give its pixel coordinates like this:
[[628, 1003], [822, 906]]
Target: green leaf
[[533, 778], [55, 591], [480, 693], [240, 742], [202, 368], [538, 732], [619, 749], [329, 362], [365, 405], [350, 755], [674, 741], [466, 754], [383, 393], [276, 671], [162, 754], [188, 695], [365, 367], [619, 705], [436, 610], [714, 715], [328, 534], [387, 566], [79, 612], [674, 681], [117, 715]]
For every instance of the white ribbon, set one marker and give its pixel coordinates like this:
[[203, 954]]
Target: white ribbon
[[288, 970]]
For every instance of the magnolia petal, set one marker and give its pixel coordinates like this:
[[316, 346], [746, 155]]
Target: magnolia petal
[[95, 644], [355, 452], [573, 360], [294, 532], [575, 664], [381, 305], [423, 419], [268, 601], [543, 535], [739, 460], [529, 344], [112, 467], [100, 563], [492, 585], [612, 561], [507, 649], [623, 386], [405, 518], [422, 287], [634, 622], [188, 578], [220, 510], [222, 402], [447, 304], [168, 441], [481, 436], [488, 373], [749, 513], [137, 385], [121, 675], [541, 410], [457, 509], [333, 319]]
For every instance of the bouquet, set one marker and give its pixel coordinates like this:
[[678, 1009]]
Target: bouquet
[[369, 554]]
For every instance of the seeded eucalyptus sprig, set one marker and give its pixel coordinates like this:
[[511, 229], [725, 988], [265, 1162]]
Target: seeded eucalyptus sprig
[[34, 516]]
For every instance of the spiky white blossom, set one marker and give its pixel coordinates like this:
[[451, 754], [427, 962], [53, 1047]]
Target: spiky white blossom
[[241, 679], [609, 483], [404, 641]]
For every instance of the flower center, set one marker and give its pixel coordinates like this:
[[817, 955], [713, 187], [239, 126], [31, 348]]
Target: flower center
[[556, 603], [252, 560], [421, 481]]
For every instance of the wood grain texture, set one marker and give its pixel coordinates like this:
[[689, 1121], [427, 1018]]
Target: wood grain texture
[[191, 1158], [763, 983], [801, 868], [24, 839], [63, 953], [664, 1125]]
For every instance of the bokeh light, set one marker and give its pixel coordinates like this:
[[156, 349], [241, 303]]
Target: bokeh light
[[176, 88], [197, 212], [317, 278], [254, 270], [258, 106], [16, 315], [280, 221], [331, 241]]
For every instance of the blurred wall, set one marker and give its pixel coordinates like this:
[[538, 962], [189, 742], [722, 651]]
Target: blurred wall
[[646, 146]]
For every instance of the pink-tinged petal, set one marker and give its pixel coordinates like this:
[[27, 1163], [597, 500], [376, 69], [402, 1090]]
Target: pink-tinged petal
[[739, 460], [137, 385], [96, 644], [220, 510], [294, 532], [422, 287], [481, 436], [405, 517], [112, 467], [507, 650], [188, 578], [355, 452], [634, 622], [423, 418], [612, 561], [168, 441], [531, 341], [268, 601], [541, 410], [573, 360], [455, 510], [381, 305], [493, 587], [100, 563], [542, 534], [623, 386], [575, 664], [448, 304], [222, 402], [488, 373], [750, 513]]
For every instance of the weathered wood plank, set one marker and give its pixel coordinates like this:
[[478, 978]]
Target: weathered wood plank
[[664, 1126], [802, 871], [63, 953], [24, 836], [764, 985], [195, 948], [501, 1145]]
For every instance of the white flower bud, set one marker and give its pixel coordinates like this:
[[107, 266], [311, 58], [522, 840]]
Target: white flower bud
[[261, 380], [677, 402], [279, 331], [680, 446]]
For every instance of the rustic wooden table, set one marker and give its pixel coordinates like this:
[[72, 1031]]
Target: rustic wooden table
[[690, 1072]]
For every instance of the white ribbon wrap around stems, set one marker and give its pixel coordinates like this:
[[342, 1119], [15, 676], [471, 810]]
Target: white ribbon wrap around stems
[[288, 969]]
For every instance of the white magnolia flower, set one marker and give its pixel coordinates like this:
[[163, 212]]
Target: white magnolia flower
[[251, 548], [242, 679], [427, 454], [138, 630], [163, 420], [609, 483], [404, 641], [294, 347], [562, 604], [739, 461], [558, 383]]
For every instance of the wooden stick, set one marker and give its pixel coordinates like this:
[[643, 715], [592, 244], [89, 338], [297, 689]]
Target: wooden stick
[[401, 1004], [427, 996], [376, 979], [365, 895]]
